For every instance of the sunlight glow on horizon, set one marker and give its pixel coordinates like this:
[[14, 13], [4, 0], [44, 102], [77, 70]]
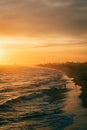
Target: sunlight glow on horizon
[[39, 41], [38, 31], [1, 51], [27, 50]]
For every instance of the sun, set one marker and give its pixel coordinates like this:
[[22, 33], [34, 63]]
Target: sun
[[1, 52]]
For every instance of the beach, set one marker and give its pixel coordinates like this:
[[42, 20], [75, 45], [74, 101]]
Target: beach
[[78, 73], [37, 98]]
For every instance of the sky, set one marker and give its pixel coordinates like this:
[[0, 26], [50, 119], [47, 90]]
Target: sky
[[40, 31]]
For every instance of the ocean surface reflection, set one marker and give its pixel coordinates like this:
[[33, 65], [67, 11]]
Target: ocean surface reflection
[[35, 99]]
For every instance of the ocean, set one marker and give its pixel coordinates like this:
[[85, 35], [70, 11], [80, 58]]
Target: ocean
[[33, 98]]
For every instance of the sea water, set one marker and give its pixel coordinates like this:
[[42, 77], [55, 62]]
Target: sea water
[[33, 98]]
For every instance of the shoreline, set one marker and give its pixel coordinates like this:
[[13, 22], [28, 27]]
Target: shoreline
[[76, 99], [77, 71]]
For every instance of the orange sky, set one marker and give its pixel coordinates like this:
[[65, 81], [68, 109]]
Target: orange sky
[[33, 31], [27, 53]]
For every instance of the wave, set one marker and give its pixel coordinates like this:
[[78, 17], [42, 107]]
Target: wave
[[35, 104]]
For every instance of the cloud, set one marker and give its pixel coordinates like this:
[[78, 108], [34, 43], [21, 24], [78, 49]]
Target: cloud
[[44, 17], [76, 42]]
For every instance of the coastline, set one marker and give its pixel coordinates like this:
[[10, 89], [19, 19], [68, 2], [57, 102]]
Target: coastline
[[77, 71], [76, 99]]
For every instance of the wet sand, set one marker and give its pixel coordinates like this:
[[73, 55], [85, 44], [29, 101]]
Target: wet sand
[[72, 105], [76, 99], [77, 71]]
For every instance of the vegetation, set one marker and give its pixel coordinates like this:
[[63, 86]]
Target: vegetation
[[76, 70]]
